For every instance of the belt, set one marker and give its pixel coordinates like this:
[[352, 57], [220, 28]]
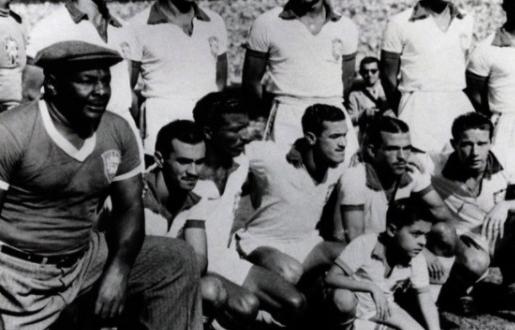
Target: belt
[[60, 261]]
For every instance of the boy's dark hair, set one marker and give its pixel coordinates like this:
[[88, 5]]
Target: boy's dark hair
[[406, 211], [384, 124], [471, 120], [209, 109], [367, 60], [316, 114], [183, 130]]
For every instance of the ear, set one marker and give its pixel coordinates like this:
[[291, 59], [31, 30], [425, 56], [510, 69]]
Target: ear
[[391, 230], [370, 150], [50, 84], [158, 157], [311, 138], [208, 132]]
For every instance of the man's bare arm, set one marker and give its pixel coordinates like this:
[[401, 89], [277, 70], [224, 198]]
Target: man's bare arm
[[477, 91], [348, 72], [254, 68], [32, 81], [221, 71], [389, 68], [124, 236]]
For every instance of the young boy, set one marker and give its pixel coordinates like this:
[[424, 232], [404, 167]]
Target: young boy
[[372, 267]]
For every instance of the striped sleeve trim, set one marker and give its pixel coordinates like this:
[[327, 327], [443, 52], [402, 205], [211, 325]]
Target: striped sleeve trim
[[422, 289], [343, 266], [423, 191], [4, 185], [359, 207], [132, 173], [195, 224], [256, 53], [349, 57]]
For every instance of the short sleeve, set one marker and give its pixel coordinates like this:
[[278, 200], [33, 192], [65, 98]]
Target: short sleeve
[[136, 44], [356, 253], [419, 273], [259, 36], [353, 187], [155, 223], [393, 38], [351, 33], [221, 33], [130, 164], [480, 61], [353, 105], [130, 47], [9, 157], [421, 182]]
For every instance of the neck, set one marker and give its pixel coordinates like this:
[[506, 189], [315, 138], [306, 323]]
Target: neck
[[67, 126], [435, 6], [386, 178], [309, 10], [176, 7], [216, 159], [316, 168], [394, 256], [169, 195]]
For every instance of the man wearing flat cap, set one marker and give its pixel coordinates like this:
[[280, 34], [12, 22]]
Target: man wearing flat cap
[[61, 157]]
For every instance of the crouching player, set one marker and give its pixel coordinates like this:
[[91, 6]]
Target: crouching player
[[372, 267]]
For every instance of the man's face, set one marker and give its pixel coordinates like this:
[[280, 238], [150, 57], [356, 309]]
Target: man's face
[[84, 95], [472, 149], [181, 168], [232, 134], [509, 7], [412, 239], [393, 153], [370, 73], [331, 142]]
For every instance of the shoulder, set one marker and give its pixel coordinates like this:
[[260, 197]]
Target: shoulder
[[57, 16], [20, 118], [140, 18], [115, 125], [206, 189], [269, 16], [401, 17], [365, 244], [214, 16], [346, 23]]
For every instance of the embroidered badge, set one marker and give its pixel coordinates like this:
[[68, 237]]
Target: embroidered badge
[[11, 50], [111, 159], [337, 49], [214, 45]]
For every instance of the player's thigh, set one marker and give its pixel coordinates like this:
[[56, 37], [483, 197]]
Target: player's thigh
[[400, 319], [270, 258], [323, 254], [240, 300]]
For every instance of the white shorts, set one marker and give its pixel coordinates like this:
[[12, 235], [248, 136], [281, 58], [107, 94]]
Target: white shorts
[[230, 265], [298, 248], [504, 140], [161, 111], [284, 123], [430, 115]]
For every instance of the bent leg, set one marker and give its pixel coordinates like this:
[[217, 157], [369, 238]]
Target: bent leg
[[164, 287], [343, 305], [276, 261], [400, 319]]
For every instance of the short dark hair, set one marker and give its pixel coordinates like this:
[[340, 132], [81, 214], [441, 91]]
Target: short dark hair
[[406, 211], [368, 60], [316, 114], [471, 120], [384, 124], [183, 130], [209, 109]]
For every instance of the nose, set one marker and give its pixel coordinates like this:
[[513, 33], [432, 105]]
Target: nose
[[102, 88], [245, 134], [342, 142], [192, 169], [422, 240], [401, 154]]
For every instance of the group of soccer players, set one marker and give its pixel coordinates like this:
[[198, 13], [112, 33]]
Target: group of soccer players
[[133, 187]]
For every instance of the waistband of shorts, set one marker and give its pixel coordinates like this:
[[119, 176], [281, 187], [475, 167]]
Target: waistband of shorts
[[64, 260]]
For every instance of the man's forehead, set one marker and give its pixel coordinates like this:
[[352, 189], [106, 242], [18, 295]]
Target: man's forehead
[[395, 138], [233, 119], [339, 126], [475, 134], [370, 65], [181, 148]]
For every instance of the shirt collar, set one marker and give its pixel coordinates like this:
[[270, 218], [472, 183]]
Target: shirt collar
[[156, 16], [288, 13], [453, 170], [502, 39], [379, 251], [77, 15], [8, 12], [373, 182], [421, 12]]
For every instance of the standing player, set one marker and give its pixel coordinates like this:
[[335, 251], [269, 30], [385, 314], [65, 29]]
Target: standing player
[[281, 234], [491, 83], [309, 53], [183, 51], [61, 157], [426, 46], [13, 38]]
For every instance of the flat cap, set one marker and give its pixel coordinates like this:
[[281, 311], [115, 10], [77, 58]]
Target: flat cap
[[76, 54]]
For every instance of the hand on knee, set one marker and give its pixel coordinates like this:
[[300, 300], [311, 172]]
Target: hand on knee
[[291, 271], [246, 305], [474, 262], [345, 302], [213, 291]]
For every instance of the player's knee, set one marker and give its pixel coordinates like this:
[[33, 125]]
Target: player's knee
[[213, 291], [442, 240], [296, 302], [475, 262], [291, 271], [345, 302], [247, 305]]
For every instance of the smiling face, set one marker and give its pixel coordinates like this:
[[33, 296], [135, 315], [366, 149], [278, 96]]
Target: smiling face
[[331, 142], [82, 96], [393, 153], [472, 148], [182, 167]]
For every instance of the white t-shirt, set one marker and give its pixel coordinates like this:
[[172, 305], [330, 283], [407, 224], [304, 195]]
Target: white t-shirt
[[301, 64], [431, 59], [59, 26], [495, 61], [173, 64]]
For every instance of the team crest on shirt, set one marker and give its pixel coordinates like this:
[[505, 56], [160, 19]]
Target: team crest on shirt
[[499, 196], [111, 159], [337, 49], [125, 49], [214, 45], [12, 51]]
